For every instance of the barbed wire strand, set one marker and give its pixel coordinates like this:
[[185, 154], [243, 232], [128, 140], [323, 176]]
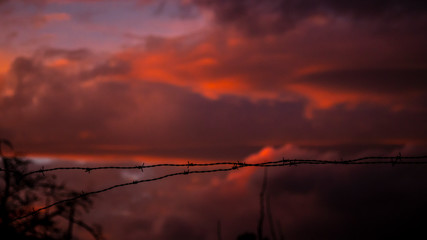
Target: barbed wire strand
[[120, 185], [395, 159], [236, 165]]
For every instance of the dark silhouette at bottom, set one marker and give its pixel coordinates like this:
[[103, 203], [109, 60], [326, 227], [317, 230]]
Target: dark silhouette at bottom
[[21, 194]]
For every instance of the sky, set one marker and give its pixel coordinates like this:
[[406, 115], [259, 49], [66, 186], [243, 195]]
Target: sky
[[102, 81]]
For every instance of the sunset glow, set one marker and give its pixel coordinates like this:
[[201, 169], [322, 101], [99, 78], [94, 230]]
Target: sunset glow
[[180, 81]]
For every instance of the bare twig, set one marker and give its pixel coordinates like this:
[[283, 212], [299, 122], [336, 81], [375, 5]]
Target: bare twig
[[218, 230], [270, 218], [261, 206]]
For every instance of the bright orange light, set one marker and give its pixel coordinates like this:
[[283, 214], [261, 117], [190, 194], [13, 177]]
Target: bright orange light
[[5, 61], [60, 62]]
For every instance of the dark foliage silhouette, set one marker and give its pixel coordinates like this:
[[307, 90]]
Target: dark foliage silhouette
[[20, 195]]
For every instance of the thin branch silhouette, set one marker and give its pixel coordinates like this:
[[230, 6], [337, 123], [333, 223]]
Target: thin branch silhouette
[[398, 160], [279, 227], [218, 230], [270, 218], [261, 207]]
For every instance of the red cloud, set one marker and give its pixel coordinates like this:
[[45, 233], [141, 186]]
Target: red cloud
[[342, 66]]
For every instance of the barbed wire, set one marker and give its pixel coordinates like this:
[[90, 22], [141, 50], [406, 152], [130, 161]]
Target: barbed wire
[[120, 185], [235, 165], [393, 160]]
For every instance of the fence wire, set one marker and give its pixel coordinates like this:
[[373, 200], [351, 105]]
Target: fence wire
[[283, 162], [393, 160]]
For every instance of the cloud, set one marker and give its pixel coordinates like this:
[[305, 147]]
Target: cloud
[[318, 60], [73, 102], [41, 20], [92, 109], [76, 55], [275, 16], [326, 75], [372, 80], [343, 65], [36, 2], [400, 89]]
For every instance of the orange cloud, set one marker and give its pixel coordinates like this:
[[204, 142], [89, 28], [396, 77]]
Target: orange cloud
[[268, 67], [5, 60], [324, 98], [207, 64], [6, 88], [60, 62], [224, 62]]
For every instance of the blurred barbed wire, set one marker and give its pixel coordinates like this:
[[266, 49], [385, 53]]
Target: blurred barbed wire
[[370, 160], [396, 160]]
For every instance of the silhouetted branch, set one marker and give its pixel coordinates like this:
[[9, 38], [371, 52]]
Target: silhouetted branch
[[270, 218], [69, 234], [8, 144], [279, 227], [261, 206], [4, 199], [20, 195], [94, 232], [218, 230]]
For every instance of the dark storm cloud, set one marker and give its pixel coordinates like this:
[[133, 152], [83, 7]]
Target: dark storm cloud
[[280, 15], [35, 2], [47, 100], [109, 67], [76, 55], [356, 64], [53, 110], [374, 124], [174, 9], [394, 87], [391, 81]]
